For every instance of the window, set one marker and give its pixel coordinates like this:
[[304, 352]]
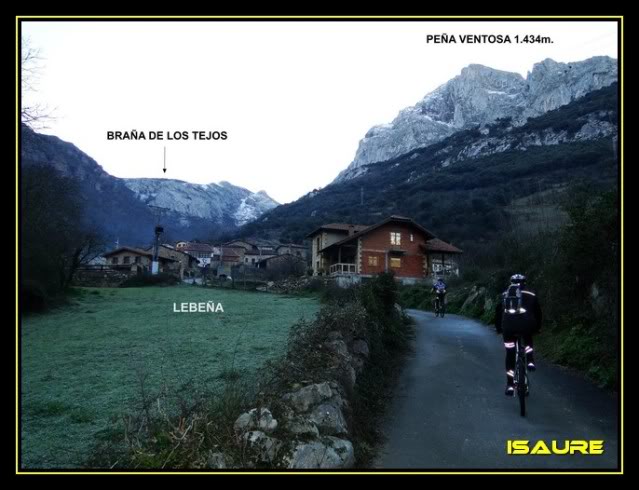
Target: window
[[372, 260], [126, 260], [395, 262], [318, 243], [396, 238], [411, 237], [137, 260], [114, 260]]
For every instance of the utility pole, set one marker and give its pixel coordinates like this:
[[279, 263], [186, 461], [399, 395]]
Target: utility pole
[[155, 267], [159, 229]]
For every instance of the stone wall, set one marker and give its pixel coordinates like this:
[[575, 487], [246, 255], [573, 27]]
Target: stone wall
[[307, 423], [101, 278]]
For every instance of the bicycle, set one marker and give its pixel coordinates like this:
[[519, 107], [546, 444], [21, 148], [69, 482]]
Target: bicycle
[[522, 383], [440, 306]]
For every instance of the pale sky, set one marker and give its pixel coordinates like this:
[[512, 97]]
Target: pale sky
[[294, 97]]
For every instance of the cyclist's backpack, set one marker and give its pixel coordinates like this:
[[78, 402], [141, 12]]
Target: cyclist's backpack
[[513, 301], [516, 318]]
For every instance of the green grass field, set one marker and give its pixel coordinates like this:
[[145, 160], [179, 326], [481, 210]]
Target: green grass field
[[82, 364]]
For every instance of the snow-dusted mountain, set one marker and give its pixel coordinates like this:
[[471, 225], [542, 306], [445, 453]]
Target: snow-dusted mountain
[[481, 95], [120, 208], [222, 203]]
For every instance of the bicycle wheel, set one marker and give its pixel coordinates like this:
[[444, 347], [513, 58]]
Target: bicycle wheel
[[521, 383]]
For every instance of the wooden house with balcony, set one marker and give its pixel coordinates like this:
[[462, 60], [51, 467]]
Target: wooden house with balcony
[[398, 244]]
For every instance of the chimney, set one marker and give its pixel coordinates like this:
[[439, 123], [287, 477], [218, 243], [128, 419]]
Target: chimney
[[351, 230]]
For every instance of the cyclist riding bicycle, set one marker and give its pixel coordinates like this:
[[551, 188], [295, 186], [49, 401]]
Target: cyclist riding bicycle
[[518, 314], [439, 288]]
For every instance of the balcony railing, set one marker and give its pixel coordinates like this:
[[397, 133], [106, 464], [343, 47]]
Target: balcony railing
[[341, 268]]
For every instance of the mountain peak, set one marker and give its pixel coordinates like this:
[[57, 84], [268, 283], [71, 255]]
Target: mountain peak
[[475, 70], [222, 204], [475, 67], [548, 62], [480, 95]]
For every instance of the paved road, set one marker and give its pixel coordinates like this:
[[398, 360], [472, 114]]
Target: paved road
[[449, 410]]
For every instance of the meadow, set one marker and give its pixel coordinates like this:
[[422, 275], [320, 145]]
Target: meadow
[[86, 364]]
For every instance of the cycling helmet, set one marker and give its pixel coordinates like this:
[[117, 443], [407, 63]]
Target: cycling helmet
[[517, 279]]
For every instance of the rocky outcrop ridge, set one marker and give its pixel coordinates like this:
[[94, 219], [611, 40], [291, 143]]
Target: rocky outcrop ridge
[[478, 96]]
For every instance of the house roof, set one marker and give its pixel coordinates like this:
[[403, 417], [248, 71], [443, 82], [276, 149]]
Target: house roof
[[291, 245], [238, 243], [261, 253], [282, 257], [368, 229], [198, 247], [437, 245], [231, 252], [262, 242], [164, 251], [137, 251], [254, 243], [338, 227]]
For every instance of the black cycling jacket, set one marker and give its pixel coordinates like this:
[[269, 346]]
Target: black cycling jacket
[[530, 302]]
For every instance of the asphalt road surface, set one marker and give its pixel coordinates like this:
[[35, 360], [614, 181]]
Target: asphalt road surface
[[450, 412]]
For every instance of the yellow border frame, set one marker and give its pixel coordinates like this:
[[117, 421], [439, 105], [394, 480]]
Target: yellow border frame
[[325, 17]]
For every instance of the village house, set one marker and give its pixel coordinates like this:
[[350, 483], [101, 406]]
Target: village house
[[398, 244], [253, 250], [254, 253], [137, 260], [186, 263], [439, 257], [225, 259], [203, 252], [296, 264], [293, 249], [282, 266]]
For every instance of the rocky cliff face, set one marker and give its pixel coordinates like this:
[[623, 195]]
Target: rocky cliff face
[[592, 126], [219, 203], [480, 95], [551, 84]]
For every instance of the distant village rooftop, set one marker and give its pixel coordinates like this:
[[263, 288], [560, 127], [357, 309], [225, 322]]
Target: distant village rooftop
[[134, 250]]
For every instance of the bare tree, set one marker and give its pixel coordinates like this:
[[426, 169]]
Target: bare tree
[[56, 239], [88, 246], [34, 114]]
